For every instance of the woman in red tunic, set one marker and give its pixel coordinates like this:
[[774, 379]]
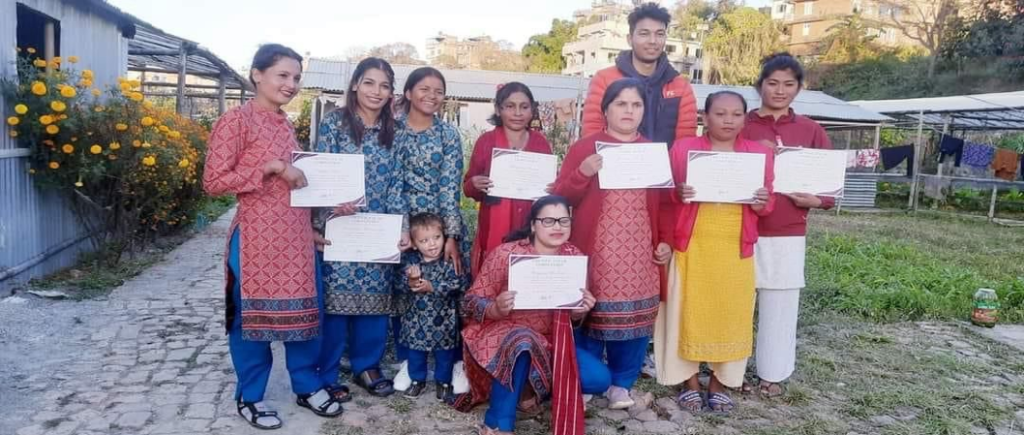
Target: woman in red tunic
[[272, 288], [514, 108], [508, 349], [619, 230]]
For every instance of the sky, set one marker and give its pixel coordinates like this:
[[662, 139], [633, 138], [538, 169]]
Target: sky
[[233, 29]]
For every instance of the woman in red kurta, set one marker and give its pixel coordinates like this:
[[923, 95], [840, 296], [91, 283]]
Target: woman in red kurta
[[508, 349], [513, 111], [271, 283], [618, 229]]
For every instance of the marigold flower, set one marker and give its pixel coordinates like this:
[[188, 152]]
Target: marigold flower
[[14, 120], [95, 149], [174, 135], [73, 59], [125, 87], [12, 133], [146, 145], [87, 74], [136, 143], [96, 92], [56, 59], [58, 106], [134, 83], [39, 63], [68, 148], [149, 160], [68, 92], [21, 109], [164, 129], [115, 145], [39, 88], [135, 96], [46, 119], [183, 163], [52, 129], [121, 127], [147, 121], [54, 165]]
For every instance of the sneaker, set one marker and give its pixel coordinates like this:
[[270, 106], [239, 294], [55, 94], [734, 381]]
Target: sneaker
[[415, 389], [618, 398], [402, 380], [460, 382]]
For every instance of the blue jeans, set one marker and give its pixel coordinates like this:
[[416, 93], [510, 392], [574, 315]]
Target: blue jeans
[[365, 338], [625, 358], [444, 362]]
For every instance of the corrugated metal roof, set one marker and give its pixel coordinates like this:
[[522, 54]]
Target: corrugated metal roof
[[996, 111], [334, 75]]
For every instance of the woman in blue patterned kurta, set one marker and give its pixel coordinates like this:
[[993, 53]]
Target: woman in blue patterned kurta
[[359, 295], [431, 152]]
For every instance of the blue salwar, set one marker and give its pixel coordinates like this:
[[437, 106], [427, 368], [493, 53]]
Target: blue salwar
[[444, 362], [625, 358], [253, 359], [365, 337], [594, 379]]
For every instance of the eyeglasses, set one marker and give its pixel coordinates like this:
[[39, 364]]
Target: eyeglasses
[[549, 222]]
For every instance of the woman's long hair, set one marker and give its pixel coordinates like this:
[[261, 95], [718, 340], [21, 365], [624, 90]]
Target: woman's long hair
[[348, 113], [526, 231]]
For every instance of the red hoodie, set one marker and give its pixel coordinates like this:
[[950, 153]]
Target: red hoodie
[[791, 130]]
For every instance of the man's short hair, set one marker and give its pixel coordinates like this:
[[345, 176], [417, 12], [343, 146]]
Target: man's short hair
[[650, 10]]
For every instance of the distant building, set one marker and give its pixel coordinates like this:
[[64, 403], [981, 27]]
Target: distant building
[[466, 53], [602, 36], [807, 22]]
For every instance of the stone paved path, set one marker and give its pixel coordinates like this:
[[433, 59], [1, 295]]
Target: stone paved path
[[151, 359]]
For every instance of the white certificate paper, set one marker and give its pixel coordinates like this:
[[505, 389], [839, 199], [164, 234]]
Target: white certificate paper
[[364, 238], [521, 174], [724, 176], [807, 170], [333, 179], [634, 166], [547, 282]]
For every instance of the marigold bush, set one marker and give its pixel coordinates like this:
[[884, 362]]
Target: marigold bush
[[132, 171]]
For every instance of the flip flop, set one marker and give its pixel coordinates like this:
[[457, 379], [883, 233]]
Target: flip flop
[[690, 400], [721, 400], [375, 383]]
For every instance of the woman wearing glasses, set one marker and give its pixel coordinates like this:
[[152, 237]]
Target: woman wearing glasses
[[506, 348], [618, 229]]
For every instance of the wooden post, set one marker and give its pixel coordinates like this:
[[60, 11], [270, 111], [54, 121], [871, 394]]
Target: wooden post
[[878, 136], [912, 202], [241, 95], [942, 165], [49, 44], [142, 83], [992, 205], [182, 72], [221, 93]]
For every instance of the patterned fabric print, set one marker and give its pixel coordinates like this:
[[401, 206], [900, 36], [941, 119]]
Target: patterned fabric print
[[867, 158], [432, 320], [279, 300], [495, 344], [624, 278], [978, 155], [362, 288]]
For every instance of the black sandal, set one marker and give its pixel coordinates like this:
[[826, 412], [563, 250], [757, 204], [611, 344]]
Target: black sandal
[[340, 392], [255, 416], [415, 389], [375, 383], [303, 401], [444, 392]]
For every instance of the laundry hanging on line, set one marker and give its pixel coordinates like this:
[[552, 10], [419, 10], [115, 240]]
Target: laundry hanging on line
[[892, 157], [951, 146]]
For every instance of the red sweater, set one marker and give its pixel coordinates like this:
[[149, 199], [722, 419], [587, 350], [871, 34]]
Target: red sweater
[[792, 131], [585, 196], [686, 213]]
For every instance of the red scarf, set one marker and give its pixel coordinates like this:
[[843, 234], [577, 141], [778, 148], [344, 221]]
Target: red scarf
[[567, 395]]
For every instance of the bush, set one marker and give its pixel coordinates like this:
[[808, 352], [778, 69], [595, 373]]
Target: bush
[[131, 171]]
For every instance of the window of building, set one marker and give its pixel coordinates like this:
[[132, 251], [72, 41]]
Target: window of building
[[883, 10], [32, 31], [699, 53], [808, 8], [807, 29], [670, 49], [611, 57], [857, 6]]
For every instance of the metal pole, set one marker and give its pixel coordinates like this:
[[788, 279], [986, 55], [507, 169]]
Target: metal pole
[[992, 205], [179, 105], [912, 202], [221, 93], [49, 44], [878, 136]]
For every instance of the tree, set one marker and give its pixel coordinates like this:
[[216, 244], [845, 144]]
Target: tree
[[996, 32], [928, 22], [848, 41], [543, 53], [495, 58], [400, 53], [737, 43], [690, 15]]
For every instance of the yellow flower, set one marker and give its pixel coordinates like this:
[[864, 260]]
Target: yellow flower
[[58, 106], [39, 88], [68, 92], [174, 135], [98, 109], [39, 63], [125, 87], [46, 119], [56, 59], [95, 149], [134, 83], [149, 160], [135, 96], [84, 83], [121, 127], [63, 116], [115, 146], [96, 92], [52, 129], [73, 59], [87, 74], [183, 163], [54, 165], [21, 109], [136, 143], [164, 129], [31, 50], [14, 120], [79, 183], [12, 133], [68, 148], [146, 145], [147, 104], [54, 64], [147, 121]]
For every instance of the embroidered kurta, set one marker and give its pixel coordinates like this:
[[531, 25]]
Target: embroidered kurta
[[362, 288], [494, 345], [279, 299], [498, 216], [431, 321]]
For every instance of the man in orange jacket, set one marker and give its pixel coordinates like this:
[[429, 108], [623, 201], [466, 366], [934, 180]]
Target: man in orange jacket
[[670, 109]]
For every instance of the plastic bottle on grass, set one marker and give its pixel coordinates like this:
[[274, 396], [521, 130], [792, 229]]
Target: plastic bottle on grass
[[986, 308]]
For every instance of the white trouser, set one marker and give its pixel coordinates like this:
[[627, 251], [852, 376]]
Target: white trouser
[[779, 271]]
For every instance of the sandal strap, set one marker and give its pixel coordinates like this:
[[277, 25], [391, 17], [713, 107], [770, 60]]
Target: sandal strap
[[688, 396], [256, 414], [720, 399]]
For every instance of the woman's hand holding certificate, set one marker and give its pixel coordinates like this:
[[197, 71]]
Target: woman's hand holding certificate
[[331, 179]]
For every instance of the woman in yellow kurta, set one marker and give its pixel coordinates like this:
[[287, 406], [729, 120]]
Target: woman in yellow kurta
[[707, 313]]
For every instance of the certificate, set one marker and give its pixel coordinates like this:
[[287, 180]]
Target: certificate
[[364, 238], [333, 179], [634, 166], [521, 174], [544, 282], [807, 170], [725, 176]]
